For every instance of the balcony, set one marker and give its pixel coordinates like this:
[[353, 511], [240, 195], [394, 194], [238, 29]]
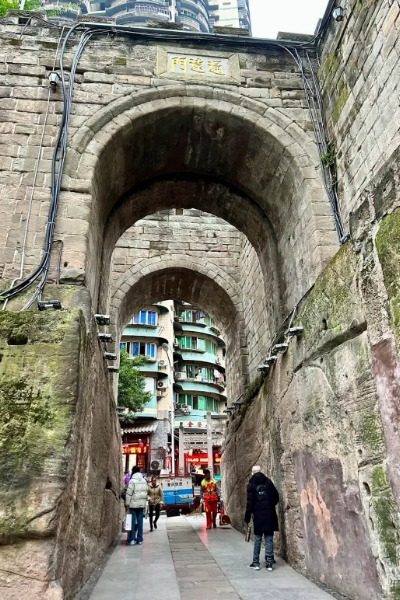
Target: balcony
[[193, 386], [149, 410], [150, 367], [198, 357], [144, 331], [198, 328]]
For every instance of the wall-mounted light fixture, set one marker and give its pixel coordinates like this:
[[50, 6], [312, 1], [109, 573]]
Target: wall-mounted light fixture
[[105, 337], [295, 331], [49, 304], [338, 13], [54, 78], [281, 347], [102, 319], [271, 359]]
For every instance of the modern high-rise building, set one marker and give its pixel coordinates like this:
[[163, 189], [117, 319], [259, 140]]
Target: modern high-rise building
[[194, 15], [230, 13]]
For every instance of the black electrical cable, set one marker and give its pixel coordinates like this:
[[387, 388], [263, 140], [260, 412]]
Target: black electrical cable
[[89, 30]]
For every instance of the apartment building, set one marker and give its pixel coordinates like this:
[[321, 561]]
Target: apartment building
[[193, 15], [184, 372]]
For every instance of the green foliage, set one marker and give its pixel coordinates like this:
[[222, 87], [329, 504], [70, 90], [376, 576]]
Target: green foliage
[[329, 158], [131, 386], [6, 5]]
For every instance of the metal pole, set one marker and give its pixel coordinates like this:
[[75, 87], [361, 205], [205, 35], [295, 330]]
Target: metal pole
[[173, 11], [181, 451], [210, 445], [172, 411]]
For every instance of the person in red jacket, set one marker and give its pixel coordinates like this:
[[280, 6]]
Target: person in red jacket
[[210, 498]]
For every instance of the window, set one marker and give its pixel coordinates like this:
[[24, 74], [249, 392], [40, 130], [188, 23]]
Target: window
[[148, 350], [210, 347], [144, 317], [199, 402]]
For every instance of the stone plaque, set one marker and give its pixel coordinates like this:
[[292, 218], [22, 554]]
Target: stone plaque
[[189, 64]]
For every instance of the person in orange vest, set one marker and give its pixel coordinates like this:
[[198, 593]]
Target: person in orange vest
[[210, 498]]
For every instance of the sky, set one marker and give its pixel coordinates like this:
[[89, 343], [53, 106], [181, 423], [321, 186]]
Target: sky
[[270, 16]]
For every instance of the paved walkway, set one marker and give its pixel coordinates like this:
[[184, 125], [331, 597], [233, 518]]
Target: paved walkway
[[181, 560]]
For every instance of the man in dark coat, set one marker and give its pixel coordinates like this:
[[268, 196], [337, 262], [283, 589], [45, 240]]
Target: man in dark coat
[[262, 497]]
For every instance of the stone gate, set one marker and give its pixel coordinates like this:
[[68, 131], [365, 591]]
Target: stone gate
[[162, 165]]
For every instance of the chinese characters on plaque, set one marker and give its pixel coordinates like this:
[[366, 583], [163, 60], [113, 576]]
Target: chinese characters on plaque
[[197, 65], [189, 64]]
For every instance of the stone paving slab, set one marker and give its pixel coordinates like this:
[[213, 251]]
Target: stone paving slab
[[184, 561]]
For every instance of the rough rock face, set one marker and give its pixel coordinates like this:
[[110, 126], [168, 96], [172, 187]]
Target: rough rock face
[[316, 426], [59, 456]]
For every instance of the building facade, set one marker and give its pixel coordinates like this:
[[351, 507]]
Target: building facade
[[184, 372], [230, 13], [192, 15], [148, 334]]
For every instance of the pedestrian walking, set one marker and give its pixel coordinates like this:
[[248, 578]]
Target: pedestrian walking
[[155, 498], [135, 502], [210, 498], [127, 478], [262, 497]]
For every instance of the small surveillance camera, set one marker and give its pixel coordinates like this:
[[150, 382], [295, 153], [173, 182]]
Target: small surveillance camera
[[338, 14], [54, 78]]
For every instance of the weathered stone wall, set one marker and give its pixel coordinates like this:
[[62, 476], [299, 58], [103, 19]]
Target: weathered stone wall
[[328, 432], [59, 456], [195, 237], [321, 437], [279, 152], [360, 62], [325, 422]]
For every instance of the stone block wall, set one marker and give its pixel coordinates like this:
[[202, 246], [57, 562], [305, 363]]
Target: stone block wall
[[359, 66], [268, 91], [201, 238]]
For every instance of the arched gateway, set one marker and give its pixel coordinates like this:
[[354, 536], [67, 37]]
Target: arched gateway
[[236, 142]]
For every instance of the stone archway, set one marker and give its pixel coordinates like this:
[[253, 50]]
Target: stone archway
[[195, 131]]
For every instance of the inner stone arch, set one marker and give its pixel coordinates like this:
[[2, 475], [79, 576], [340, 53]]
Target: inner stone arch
[[200, 289], [201, 242]]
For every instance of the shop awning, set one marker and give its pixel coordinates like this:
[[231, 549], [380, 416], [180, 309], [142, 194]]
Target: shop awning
[[148, 428]]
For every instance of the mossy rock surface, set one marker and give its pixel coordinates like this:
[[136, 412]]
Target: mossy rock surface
[[38, 388], [384, 508], [388, 247], [331, 313]]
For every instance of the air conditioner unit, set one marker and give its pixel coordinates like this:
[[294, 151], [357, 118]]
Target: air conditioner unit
[[180, 375], [161, 385], [162, 363], [185, 408]]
